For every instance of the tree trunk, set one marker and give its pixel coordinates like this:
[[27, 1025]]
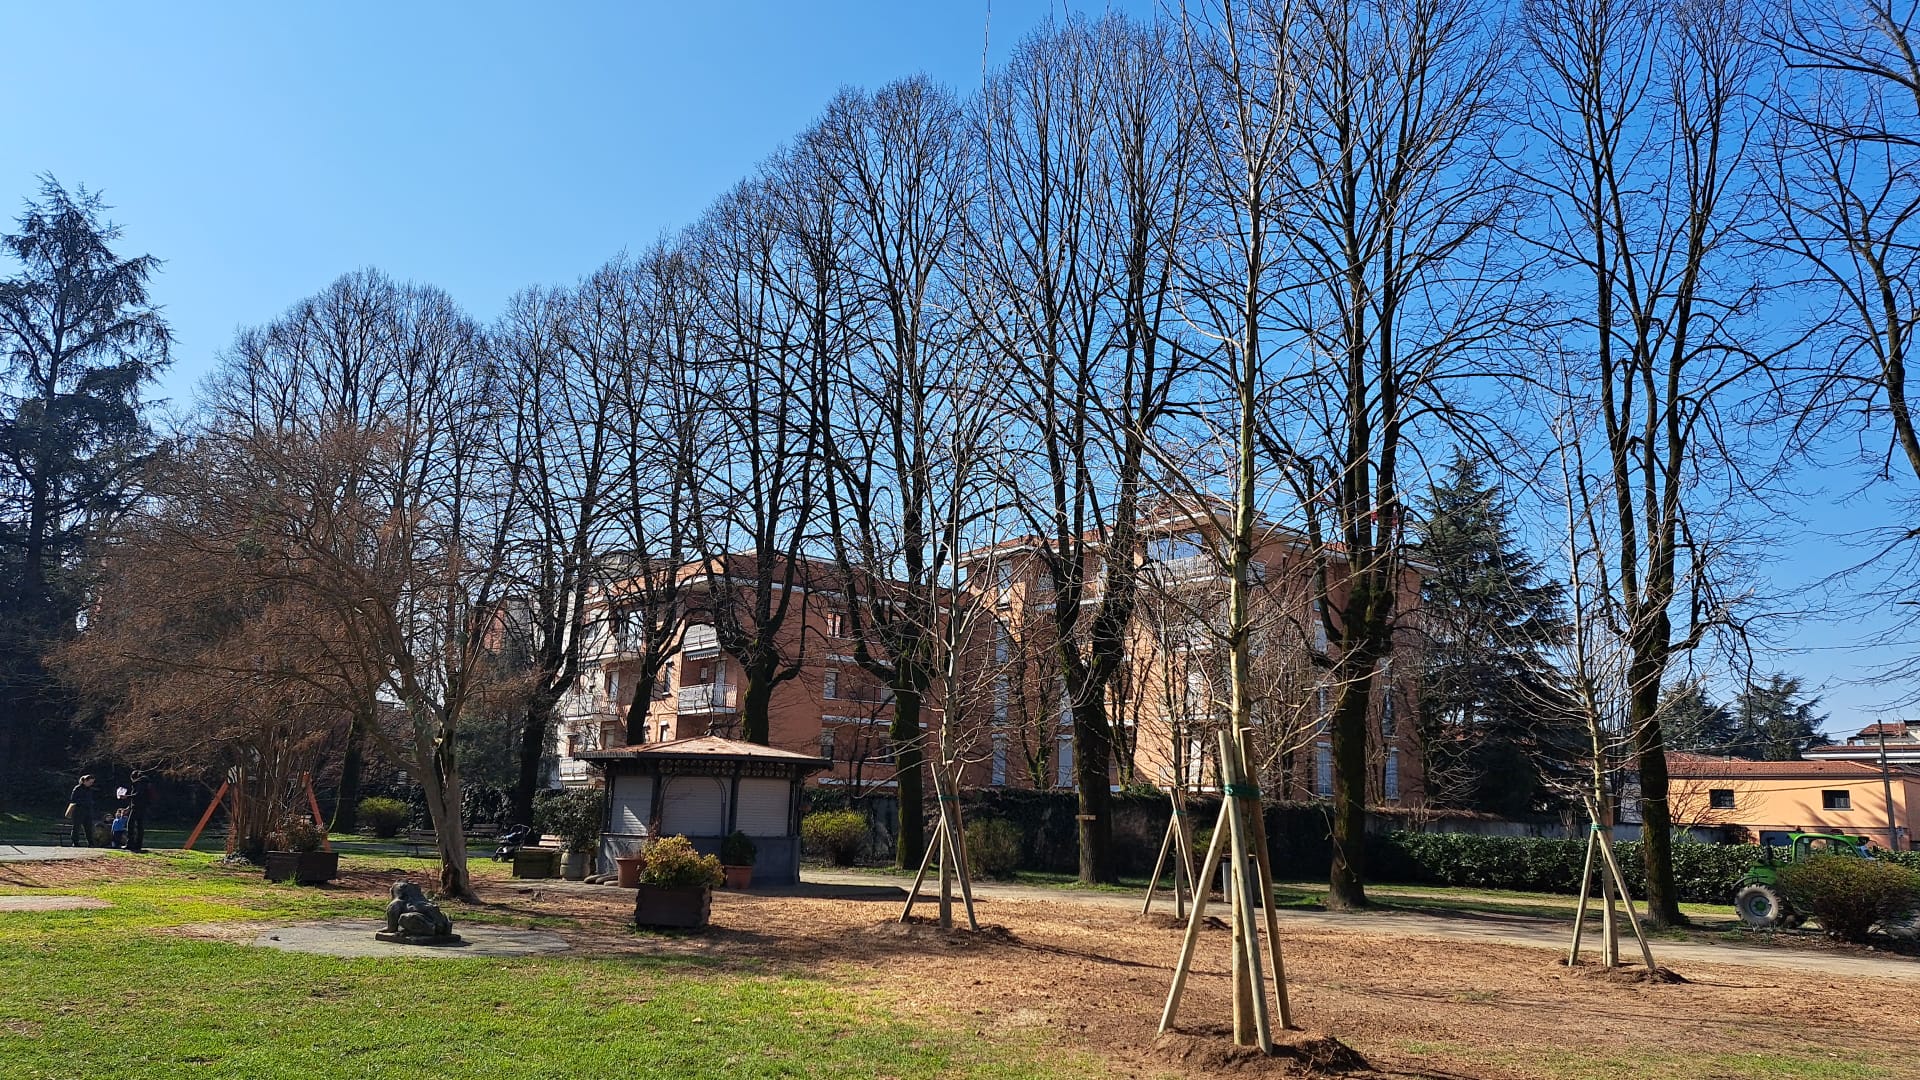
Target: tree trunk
[[755, 725], [1345, 884], [1656, 813], [1091, 758], [908, 757], [536, 734], [346, 797]]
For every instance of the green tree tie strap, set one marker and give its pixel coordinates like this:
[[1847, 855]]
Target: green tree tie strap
[[1244, 791]]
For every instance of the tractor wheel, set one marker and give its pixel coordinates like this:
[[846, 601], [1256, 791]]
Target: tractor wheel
[[1760, 907]]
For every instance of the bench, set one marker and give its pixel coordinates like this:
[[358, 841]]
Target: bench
[[60, 835], [416, 839]]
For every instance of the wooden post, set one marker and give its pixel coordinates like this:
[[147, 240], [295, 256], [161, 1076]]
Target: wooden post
[[1263, 859], [1633, 917], [1191, 941], [194, 836], [307, 779], [1586, 889], [1250, 990]]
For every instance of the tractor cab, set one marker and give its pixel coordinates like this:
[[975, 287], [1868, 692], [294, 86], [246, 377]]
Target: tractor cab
[[1757, 896]]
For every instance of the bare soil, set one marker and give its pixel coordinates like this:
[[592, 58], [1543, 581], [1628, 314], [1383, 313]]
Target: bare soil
[[1367, 1004]]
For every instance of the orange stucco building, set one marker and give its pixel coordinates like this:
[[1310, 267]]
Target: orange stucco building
[[1754, 799]]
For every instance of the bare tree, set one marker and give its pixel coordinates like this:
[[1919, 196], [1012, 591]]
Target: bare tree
[[367, 423], [901, 404], [558, 354], [1079, 148], [1646, 178], [764, 483]]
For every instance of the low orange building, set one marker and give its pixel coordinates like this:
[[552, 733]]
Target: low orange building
[[1754, 799]]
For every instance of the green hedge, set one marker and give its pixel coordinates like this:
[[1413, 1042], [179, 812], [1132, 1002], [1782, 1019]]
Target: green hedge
[[1703, 873], [1299, 837]]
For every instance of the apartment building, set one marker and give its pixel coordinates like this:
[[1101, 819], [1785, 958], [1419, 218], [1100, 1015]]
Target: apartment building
[[1008, 717], [1172, 693], [831, 707]]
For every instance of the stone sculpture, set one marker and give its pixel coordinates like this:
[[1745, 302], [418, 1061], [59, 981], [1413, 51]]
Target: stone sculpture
[[412, 919]]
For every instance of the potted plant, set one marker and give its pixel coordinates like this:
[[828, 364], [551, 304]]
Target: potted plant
[[736, 860], [294, 852], [676, 886], [574, 816], [627, 866]]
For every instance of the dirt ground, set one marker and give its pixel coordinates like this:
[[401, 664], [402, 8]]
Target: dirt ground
[[1098, 976], [1095, 978]]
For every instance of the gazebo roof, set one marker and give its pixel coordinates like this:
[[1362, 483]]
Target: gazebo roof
[[710, 748]]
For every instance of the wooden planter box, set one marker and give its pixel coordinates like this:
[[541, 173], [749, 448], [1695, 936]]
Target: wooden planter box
[[536, 862], [303, 867], [686, 907]]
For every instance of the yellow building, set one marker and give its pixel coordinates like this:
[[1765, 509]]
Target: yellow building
[[1760, 798]]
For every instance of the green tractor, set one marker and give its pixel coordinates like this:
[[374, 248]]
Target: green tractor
[[1758, 897]]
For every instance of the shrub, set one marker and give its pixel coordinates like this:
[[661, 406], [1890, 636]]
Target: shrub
[[385, 816], [573, 815], [1848, 895], [837, 835], [296, 834], [672, 863], [994, 847], [737, 850]]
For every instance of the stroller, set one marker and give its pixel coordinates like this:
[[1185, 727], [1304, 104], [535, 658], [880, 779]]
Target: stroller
[[513, 840]]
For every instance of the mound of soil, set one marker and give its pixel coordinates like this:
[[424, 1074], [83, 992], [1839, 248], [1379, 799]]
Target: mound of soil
[[1211, 1049], [1160, 920], [922, 928], [1625, 973]]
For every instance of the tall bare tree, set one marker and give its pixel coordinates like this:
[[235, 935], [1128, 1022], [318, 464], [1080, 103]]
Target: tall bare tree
[[1647, 180], [1072, 241]]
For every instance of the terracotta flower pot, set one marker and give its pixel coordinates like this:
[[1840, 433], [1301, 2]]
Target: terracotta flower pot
[[629, 867], [738, 877]]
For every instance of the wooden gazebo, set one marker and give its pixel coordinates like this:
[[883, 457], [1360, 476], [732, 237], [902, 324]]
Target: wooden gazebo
[[705, 788]]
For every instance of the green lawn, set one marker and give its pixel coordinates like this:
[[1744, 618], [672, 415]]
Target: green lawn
[[108, 993]]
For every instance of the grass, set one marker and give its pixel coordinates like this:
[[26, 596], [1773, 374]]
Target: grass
[[108, 993]]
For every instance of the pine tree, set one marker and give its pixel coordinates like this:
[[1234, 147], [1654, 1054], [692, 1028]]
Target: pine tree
[[81, 340], [1491, 614], [1775, 720]]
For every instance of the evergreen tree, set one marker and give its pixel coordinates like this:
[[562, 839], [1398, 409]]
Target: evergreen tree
[[1490, 614], [81, 340], [1696, 723], [1775, 720]]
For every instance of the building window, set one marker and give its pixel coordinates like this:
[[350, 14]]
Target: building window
[[1392, 777], [1323, 771], [830, 685], [1720, 798], [1002, 693], [663, 732], [826, 744], [1002, 643], [836, 624], [1063, 760], [886, 750], [1836, 800], [999, 758]]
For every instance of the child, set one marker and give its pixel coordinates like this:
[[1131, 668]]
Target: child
[[120, 827]]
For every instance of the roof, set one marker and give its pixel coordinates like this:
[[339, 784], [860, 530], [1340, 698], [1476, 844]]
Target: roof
[[706, 747], [1874, 731], [1703, 767]]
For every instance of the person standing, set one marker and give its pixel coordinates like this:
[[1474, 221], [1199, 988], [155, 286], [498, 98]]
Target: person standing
[[81, 813], [139, 796]]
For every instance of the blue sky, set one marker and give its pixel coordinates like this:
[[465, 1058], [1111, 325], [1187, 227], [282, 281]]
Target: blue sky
[[264, 149]]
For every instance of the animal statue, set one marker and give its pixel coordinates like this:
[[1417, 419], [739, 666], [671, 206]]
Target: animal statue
[[411, 913]]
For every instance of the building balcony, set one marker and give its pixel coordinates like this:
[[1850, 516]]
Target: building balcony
[[700, 641], [1202, 567], [707, 698]]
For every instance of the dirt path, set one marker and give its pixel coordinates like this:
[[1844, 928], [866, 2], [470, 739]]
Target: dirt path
[[1495, 928]]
